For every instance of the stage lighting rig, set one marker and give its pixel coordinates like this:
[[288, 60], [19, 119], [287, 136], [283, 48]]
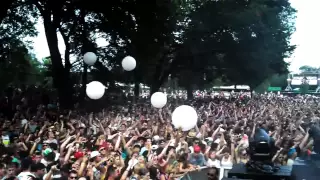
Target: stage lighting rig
[[260, 150]]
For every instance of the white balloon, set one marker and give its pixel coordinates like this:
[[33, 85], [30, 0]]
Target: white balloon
[[90, 58], [95, 90], [184, 117], [158, 99], [129, 63]]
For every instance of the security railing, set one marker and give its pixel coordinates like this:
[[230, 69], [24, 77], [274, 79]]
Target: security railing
[[203, 173]]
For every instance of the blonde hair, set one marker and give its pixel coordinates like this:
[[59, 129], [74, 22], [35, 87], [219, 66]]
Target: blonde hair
[[137, 168]]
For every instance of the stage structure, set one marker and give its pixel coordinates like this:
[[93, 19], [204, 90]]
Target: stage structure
[[306, 81], [299, 79]]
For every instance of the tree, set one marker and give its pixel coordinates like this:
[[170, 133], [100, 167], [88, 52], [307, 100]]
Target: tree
[[246, 44], [233, 48], [244, 41], [274, 81], [126, 23], [15, 58], [144, 30], [308, 69], [279, 81], [62, 16], [15, 67], [4, 8]]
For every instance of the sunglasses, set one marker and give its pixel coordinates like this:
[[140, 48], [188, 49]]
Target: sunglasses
[[73, 177]]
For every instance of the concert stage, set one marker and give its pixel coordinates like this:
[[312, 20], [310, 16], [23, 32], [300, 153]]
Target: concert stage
[[239, 171], [306, 169]]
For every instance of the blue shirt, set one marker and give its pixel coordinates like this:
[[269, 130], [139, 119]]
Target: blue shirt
[[124, 154], [197, 159]]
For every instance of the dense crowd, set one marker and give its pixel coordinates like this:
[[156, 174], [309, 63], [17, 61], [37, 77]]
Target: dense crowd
[[136, 141]]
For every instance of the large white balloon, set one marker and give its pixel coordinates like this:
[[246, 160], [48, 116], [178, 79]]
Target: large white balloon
[[90, 58], [184, 117], [129, 63], [95, 90], [158, 99]]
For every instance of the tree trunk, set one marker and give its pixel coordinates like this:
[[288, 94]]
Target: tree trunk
[[189, 92], [136, 90], [160, 78], [61, 75], [84, 82], [157, 82], [65, 92], [84, 50], [155, 86]]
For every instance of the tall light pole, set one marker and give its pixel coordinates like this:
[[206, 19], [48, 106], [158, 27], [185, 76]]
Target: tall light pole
[[288, 88]]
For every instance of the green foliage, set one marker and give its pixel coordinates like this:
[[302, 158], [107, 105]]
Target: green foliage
[[19, 67], [5, 5], [309, 69], [274, 81], [199, 43], [263, 87], [13, 64], [16, 62], [142, 29], [278, 81], [246, 41]]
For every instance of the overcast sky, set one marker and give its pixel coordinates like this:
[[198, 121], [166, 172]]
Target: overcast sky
[[306, 36]]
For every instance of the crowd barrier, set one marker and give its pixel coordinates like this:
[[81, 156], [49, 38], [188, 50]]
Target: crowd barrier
[[203, 173]]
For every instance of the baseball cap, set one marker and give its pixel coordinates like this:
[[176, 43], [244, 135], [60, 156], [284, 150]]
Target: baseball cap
[[94, 154], [196, 149], [78, 155]]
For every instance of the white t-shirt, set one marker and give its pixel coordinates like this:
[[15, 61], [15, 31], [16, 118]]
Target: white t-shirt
[[52, 141], [226, 163], [217, 141], [133, 162], [53, 176], [213, 163], [25, 176], [44, 162], [57, 156]]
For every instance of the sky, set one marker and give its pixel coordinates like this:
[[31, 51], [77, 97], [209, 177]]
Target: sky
[[306, 36]]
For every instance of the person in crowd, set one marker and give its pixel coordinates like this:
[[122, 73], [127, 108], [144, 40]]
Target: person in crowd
[[136, 141], [213, 173]]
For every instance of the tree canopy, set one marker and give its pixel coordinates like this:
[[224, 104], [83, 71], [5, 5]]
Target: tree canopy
[[16, 61], [243, 41], [195, 42]]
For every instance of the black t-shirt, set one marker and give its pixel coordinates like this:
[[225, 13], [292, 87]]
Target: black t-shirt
[[23, 154], [64, 178], [299, 152]]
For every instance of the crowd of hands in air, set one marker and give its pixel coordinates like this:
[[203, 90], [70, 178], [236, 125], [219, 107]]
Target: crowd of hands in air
[[136, 141]]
